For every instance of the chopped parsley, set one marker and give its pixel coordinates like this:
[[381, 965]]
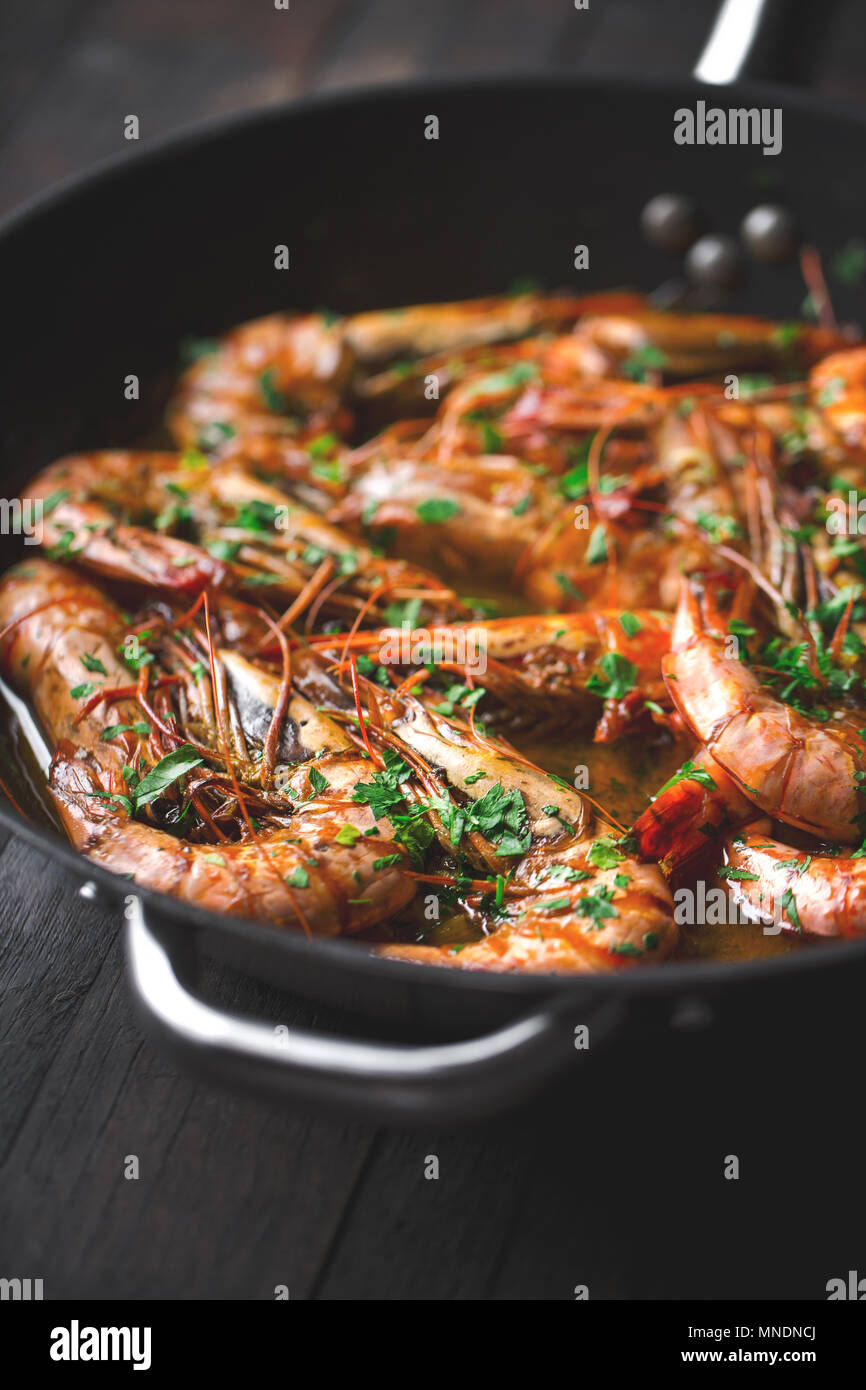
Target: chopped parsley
[[615, 677], [596, 550], [143, 730], [256, 515], [849, 265], [272, 396], [568, 588], [324, 446], [719, 528], [642, 360], [92, 663], [383, 794], [211, 436], [604, 854], [788, 903], [406, 611], [166, 772], [597, 905], [563, 873], [133, 653], [223, 550], [498, 815], [689, 772], [53, 500], [437, 509], [500, 383], [318, 782]]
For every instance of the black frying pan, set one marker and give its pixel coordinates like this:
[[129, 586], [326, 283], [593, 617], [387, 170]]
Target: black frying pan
[[104, 277]]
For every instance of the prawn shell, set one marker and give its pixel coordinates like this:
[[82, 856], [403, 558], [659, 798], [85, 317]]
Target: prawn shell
[[300, 876], [548, 931], [59, 627], [792, 767], [829, 892]]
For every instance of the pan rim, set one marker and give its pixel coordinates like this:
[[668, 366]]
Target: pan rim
[[344, 952], [215, 127], [665, 977]]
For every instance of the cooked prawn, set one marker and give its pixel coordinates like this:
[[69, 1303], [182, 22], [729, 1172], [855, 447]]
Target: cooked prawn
[[290, 375], [789, 764], [309, 871], [301, 875], [421, 330], [694, 344], [470, 516], [115, 513], [279, 375], [837, 386], [816, 893], [690, 813], [572, 887], [60, 639], [575, 918], [233, 743], [554, 662], [100, 509]]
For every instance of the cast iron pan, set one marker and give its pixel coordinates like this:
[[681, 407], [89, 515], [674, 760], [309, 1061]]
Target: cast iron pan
[[105, 276]]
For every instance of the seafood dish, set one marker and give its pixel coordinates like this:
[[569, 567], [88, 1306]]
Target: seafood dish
[[493, 634]]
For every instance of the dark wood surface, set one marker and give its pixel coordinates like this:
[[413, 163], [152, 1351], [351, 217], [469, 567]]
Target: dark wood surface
[[616, 1181]]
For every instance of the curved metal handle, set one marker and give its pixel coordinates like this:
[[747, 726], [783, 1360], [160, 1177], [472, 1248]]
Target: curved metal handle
[[479, 1077], [757, 38], [730, 43]]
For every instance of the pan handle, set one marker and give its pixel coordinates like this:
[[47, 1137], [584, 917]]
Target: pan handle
[[748, 39], [443, 1082]]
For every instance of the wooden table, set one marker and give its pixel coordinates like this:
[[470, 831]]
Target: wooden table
[[616, 1182]]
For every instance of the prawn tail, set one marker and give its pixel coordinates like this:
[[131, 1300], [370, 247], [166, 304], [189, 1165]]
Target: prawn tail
[[698, 804]]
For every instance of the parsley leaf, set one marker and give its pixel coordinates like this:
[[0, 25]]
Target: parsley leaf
[[689, 772], [383, 794], [596, 550], [387, 860], [272, 396], [597, 905], [92, 663], [167, 771], [788, 903], [642, 360], [604, 854], [113, 730], [437, 509], [318, 782], [615, 678]]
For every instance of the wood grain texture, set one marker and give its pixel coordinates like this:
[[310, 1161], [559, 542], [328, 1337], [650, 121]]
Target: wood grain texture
[[169, 64], [616, 1180]]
